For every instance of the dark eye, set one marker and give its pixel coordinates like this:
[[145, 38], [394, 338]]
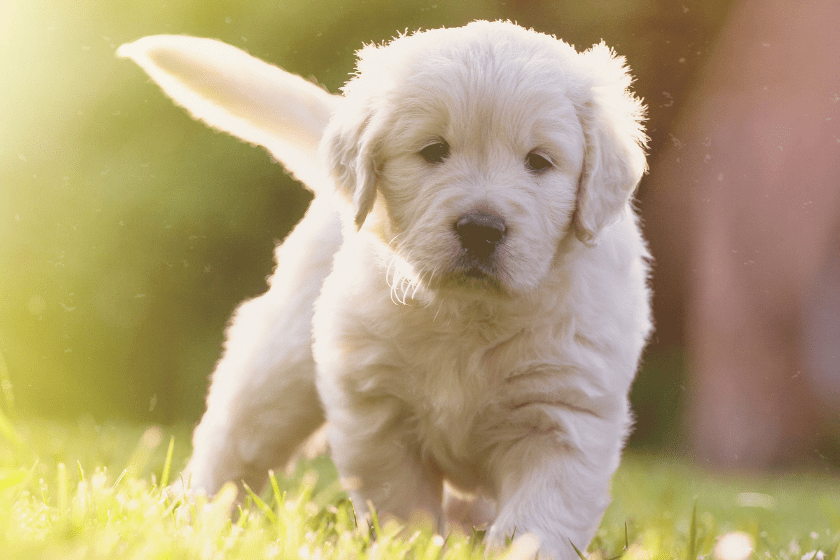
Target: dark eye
[[537, 163], [435, 153]]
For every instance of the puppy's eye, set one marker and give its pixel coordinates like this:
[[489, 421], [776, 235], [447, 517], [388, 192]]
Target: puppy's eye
[[537, 163], [435, 153]]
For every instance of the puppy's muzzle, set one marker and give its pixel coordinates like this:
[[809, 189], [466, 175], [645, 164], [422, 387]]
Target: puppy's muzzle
[[480, 234]]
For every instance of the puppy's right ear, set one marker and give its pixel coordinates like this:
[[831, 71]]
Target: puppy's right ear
[[350, 148], [232, 91]]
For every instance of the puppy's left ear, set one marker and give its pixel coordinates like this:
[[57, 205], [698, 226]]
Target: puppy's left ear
[[614, 160], [350, 147]]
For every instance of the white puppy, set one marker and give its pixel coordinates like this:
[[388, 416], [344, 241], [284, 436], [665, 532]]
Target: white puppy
[[477, 314]]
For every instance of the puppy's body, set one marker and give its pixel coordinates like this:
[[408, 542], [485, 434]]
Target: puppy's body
[[540, 429], [483, 315]]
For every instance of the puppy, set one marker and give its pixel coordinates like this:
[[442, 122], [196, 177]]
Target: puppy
[[466, 299]]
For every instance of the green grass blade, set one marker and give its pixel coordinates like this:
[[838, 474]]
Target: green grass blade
[[578, 552], [275, 489], [267, 511], [167, 464], [119, 479], [374, 521], [692, 535], [626, 544], [626, 538]]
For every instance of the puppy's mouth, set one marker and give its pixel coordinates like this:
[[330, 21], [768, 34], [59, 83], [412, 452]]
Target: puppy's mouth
[[474, 281], [474, 274], [479, 269]]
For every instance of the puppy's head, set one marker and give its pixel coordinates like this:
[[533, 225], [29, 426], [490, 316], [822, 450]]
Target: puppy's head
[[472, 152]]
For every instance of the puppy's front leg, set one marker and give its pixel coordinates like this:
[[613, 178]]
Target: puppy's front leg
[[381, 467], [554, 490]]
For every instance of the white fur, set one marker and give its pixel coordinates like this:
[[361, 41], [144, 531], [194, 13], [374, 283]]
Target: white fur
[[512, 386]]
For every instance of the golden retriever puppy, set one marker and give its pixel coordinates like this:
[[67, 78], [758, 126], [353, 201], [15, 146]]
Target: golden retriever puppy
[[466, 299]]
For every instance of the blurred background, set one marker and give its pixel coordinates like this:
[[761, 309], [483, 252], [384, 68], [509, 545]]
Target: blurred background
[[129, 232]]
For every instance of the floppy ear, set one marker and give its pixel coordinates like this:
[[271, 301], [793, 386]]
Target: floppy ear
[[232, 91], [351, 146], [614, 160]]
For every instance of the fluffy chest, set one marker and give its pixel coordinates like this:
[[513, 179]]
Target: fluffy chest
[[447, 378], [451, 375]]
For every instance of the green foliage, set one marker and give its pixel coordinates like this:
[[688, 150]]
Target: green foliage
[[53, 511], [99, 492]]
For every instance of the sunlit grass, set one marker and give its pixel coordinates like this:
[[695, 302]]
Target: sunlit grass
[[88, 491]]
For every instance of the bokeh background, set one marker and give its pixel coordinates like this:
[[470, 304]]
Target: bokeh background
[[129, 232]]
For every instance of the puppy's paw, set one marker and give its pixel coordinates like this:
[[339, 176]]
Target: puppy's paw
[[467, 512], [525, 545]]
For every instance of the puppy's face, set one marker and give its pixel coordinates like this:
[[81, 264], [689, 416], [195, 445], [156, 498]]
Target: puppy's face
[[465, 151], [478, 175]]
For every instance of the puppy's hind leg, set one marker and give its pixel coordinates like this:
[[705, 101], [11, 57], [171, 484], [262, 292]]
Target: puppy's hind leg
[[263, 402]]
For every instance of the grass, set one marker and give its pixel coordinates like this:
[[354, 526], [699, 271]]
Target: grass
[[90, 491]]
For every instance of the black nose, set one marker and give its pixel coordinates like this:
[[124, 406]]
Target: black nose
[[480, 233]]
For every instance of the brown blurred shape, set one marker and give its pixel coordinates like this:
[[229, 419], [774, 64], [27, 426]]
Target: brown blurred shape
[[743, 209]]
